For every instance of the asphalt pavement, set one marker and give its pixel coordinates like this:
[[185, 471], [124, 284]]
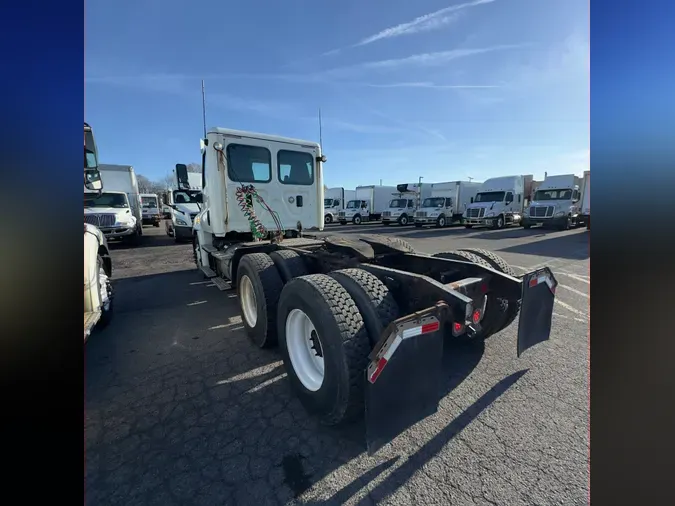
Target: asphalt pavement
[[180, 408]]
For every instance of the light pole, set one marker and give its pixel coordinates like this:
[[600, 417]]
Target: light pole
[[419, 192]]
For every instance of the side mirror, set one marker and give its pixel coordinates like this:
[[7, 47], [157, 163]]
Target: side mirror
[[92, 180], [199, 198], [472, 200]]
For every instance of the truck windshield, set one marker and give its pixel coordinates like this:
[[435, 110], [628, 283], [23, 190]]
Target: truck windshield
[[354, 204], [185, 196], [328, 202], [149, 202], [434, 202], [561, 194], [398, 203], [118, 200], [490, 197]]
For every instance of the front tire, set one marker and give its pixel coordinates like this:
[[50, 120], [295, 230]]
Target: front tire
[[258, 287], [105, 291], [324, 345], [403, 220], [357, 219], [328, 219], [440, 222], [499, 222]]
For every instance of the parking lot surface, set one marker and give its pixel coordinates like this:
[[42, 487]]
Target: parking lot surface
[[180, 407]]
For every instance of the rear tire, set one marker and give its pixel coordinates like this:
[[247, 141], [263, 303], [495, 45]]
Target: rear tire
[[343, 344], [289, 263], [258, 288], [372, 297]]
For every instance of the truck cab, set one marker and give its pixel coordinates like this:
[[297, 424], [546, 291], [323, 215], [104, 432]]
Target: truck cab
[[498, 203], [184, 206], [555, 203], [401, 210], [150, 209], [110, 211], [435, 211], [98, 292]]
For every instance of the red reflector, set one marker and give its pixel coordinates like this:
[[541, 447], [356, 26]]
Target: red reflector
[[380, 366], [430, 327], [483, 288], [476, 316], [534, 282], [457, 327]]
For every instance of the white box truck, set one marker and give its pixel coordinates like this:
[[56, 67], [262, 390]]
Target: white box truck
[[555, 203], [334, 201], [402, 207], [117, 210], [446, 203], [499, 202], [368, 204], [585, 204]]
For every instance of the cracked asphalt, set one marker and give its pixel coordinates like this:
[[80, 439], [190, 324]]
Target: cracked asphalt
[[180, 408]]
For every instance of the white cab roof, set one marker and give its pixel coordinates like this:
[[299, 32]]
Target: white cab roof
[[263, 137]]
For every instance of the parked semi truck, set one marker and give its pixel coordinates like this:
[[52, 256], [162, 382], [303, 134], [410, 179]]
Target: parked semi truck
[[360, 320], [404, 204], [183, 202], [555, 203], [585, 204], [150, 208], [499, 202], [446, 204], [368, 205], [334, 201], [98, 291], [116, 211]]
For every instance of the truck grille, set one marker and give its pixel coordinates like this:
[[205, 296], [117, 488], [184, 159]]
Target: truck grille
[[541, 211], [342, 214], [100, 220], [386, 214], [475, 212], [421, 214]]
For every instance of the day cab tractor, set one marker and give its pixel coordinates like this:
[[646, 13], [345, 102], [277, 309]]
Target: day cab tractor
[[360, 320]]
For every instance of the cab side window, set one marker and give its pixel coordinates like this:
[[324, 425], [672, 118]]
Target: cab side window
[[411, 204], [509, 197], [295, 167]]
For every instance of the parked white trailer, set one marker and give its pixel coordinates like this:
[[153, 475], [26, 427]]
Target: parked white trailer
[[585, 204], [499, 202], [405, 202], [555, 203], [446, 203], [368, 205], [117, 217], [334, 201]]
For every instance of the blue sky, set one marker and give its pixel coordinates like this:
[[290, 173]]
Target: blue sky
[[445, 89]]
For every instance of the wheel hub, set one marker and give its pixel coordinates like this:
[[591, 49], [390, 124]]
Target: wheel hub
[[304, 349], [249, 308]]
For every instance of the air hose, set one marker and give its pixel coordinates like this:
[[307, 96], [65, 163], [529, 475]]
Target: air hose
[[245, 195]]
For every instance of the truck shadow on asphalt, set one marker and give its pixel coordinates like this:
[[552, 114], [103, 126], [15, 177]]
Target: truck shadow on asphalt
[[574, 246], [519, 233], [146, 241], [180, 407]]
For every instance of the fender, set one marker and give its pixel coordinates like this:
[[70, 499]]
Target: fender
[[92, 242]]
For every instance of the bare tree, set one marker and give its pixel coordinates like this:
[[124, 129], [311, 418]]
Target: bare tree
[[194, 167], [144, 184]]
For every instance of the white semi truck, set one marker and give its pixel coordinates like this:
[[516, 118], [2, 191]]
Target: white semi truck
[[446, 204], [555, 203], [360, 320], [150, 208], [334, 201], [406, 200], [499, 202], [368, 204], [585, 205], [183, 203], [116, 211], [98, 291]]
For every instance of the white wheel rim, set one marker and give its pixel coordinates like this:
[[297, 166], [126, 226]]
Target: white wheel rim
[[404, 221], [441, 222], [302, 343], [248, 302], [103, 288]]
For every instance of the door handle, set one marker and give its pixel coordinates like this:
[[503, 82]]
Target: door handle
[[298, 200]]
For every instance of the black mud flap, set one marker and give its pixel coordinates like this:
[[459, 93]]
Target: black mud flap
[[403, 377], [536, 311]]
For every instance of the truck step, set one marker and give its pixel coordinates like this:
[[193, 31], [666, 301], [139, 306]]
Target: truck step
[[209, 248], [208, 272], [221, 284], [90, 320]]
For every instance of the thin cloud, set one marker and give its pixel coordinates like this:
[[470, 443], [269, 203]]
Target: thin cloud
[[425, 23], [430, 86]]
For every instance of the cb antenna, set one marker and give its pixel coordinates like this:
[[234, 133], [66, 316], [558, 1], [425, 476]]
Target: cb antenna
[[320, 132], [204, 108]]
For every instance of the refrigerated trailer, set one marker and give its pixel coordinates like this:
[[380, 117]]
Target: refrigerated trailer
[[360, 320], [368, 204]]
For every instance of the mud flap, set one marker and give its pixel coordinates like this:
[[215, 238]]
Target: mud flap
[[404, 376], [536, 310]]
